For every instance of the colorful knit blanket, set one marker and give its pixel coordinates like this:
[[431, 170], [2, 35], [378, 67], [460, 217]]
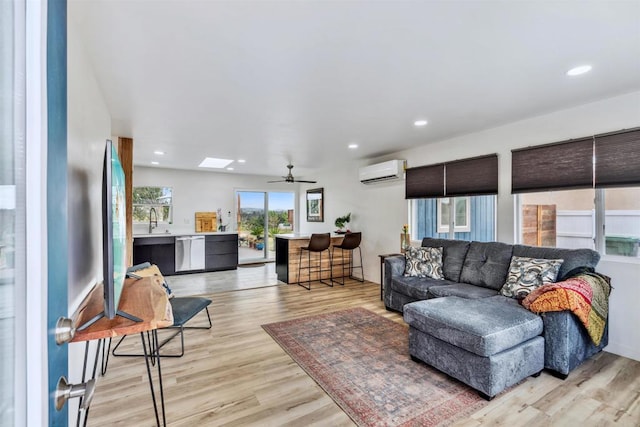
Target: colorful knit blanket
[[586, 295]]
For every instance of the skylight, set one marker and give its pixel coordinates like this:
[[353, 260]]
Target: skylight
[[212, 162]]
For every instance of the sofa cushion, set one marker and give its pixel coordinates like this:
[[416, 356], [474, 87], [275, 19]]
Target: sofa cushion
[[486, 264], [573, 258], [423, 262], [453, 251], [483, 326], [527, 274], [463, 290], [416, 287]]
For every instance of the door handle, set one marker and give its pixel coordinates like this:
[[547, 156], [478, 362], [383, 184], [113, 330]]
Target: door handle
[[65, 331], [66, 391]]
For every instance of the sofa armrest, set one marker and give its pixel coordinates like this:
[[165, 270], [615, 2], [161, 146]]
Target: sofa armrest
[[567, 343], [393, 267]]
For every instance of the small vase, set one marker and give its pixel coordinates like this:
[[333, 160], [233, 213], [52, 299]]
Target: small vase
[[404, 242]]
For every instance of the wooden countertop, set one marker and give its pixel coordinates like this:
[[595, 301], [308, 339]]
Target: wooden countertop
[[144, 298]]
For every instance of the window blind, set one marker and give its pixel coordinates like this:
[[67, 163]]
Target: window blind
[[424, 182], [563, 165], [617, 159], [466, 177], [472, 177]]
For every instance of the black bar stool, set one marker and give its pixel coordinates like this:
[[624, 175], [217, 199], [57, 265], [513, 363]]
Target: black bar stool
[[318, 243], [350, 243]]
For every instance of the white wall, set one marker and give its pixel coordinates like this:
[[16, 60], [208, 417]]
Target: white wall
[[379, 211], [89, 125], [196, 191]]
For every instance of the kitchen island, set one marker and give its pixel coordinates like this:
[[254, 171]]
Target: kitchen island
[[288, 255]]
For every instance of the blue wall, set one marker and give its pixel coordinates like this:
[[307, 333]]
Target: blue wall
[[483, 211]]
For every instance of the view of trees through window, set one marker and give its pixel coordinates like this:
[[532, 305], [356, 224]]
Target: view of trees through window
[[256, 230], [145, 198]]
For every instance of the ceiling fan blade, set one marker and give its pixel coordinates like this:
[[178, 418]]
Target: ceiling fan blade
[[290, 178]]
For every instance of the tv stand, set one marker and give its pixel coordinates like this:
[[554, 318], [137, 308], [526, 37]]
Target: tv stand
[[147, 298], [99, 316]]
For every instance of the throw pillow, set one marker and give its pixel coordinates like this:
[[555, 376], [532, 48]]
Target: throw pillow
[[527, 274], [423, 262]]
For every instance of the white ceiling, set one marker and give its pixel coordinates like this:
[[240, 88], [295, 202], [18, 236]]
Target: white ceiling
[[275, 82]]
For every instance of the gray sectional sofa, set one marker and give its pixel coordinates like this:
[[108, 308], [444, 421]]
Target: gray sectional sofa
[[464, 327]]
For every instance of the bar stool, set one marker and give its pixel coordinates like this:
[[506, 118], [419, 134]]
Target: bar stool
[[318, 243], [350, 243]]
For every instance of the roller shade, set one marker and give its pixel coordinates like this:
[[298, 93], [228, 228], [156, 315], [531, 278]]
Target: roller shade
[[468, 177], [618, 159], [424, 182], [563, 165], [472, 177]]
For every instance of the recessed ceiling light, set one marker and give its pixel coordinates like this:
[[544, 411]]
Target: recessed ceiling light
[[353, 146], [155, 163], [576, 71], [159, 153], [211, 162], [229, 169], [241, 160], [420, 123]]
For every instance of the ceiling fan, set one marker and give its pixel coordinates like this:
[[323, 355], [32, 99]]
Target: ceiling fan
[[290, 178]]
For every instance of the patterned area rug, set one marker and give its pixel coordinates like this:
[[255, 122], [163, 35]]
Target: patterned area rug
[[362, 361]]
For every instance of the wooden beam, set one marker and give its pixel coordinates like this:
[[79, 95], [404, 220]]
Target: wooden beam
[[125, 152]]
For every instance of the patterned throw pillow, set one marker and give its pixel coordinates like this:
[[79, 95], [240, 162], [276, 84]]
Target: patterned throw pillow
[[424, 262], [527, 274]]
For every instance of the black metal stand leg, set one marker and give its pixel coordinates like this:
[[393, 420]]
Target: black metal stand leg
[[150, 355], [157, 351]]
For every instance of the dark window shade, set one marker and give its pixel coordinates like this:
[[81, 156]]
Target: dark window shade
[[472, 177], [425, 181], [564, 165], [618, 159]]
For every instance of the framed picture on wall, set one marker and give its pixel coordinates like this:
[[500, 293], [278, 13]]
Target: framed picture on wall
[[315, 206]]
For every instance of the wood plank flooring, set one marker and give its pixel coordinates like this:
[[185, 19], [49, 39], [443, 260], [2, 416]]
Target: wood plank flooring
[[236, 375]]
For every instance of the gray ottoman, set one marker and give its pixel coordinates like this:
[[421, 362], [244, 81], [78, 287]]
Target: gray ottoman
[[488, 344]]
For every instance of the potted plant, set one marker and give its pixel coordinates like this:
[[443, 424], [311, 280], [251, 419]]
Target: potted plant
[[341, 221]]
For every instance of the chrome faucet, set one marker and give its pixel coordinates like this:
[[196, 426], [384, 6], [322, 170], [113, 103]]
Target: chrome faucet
[[153, 224]]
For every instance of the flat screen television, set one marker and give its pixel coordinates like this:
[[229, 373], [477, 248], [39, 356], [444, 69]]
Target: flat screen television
[[114, 236]]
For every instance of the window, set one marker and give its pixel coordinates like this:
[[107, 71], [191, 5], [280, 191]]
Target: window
[[461, 219], [594, 201], [622, 221], [159, 199], [607, 220], [475, 218]]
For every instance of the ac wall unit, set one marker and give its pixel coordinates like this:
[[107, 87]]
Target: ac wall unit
[[385, 171]]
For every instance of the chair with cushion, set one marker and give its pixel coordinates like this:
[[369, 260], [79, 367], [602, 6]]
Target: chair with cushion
[[317, 244], [184, 309], [350, 243]]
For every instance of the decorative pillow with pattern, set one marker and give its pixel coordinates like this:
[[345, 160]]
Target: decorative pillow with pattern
[[527, 274], [423, 262]]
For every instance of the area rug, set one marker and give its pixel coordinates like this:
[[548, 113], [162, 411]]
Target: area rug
[[362, 361]]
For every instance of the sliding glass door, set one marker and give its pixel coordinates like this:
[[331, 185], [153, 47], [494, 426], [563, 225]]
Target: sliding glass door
[[262, 215]]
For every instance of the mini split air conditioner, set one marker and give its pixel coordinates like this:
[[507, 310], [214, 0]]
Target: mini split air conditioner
[[386, 171]]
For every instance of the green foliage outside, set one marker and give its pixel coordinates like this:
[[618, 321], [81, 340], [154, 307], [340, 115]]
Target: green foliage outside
[[252, 220], [144, 198]]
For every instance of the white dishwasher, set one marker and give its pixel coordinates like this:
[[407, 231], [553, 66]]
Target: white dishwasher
[[189, 253]]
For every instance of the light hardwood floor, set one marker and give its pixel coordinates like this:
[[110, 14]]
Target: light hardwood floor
[[236, 375]]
